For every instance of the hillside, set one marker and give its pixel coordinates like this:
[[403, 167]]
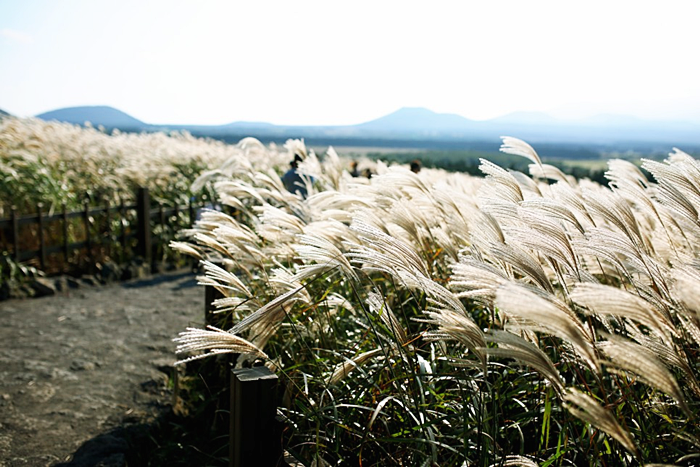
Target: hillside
[[96, 115]]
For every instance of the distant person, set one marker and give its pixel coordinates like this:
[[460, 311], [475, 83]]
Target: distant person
[[415, 166], [367, 173], [292, 180], [353, 169]]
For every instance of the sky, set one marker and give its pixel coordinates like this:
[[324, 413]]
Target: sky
[[335, 63]]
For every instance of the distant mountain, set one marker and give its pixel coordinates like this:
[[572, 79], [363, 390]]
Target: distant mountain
[[108, 117], [3, 113], [420, 127], [418, 118]]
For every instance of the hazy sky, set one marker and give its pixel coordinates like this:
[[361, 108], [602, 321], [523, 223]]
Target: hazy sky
[[332, 62]]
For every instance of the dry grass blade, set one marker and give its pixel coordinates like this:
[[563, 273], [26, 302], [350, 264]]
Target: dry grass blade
[[344, 369], [378, 410], [585, 408], [378, 305]]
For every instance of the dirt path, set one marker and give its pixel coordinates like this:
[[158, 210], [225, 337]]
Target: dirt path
[[75, 366]]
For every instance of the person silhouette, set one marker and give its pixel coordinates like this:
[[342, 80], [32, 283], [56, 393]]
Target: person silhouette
[[415, 166], [292, 180]]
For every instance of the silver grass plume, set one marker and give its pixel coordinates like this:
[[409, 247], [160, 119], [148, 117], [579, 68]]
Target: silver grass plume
[[542, 234], [213, 341], [585, 408], [263, 323], [670, 355], [454, 325], [548, 171], [628, 356], [572, 199], [476, 279], [238, 190], [399, 181], [515, 461], [334, 231], [616, 248], [501, 181], [685, 289], [554, 210], [523, 262], [518, 147], [384, 252], [529, 187], [320, 255], [532, 311], [222, 280], [526, 353], [617, 212], [486, 231], [605, 300], [186, 248]]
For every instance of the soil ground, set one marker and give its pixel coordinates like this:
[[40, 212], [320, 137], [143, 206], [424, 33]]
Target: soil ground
[[78, 367]]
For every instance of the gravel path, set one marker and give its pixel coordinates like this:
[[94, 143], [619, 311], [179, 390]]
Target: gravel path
[[73, 367]]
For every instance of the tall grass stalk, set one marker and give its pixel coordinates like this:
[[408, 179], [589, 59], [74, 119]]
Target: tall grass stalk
[[435, 318]]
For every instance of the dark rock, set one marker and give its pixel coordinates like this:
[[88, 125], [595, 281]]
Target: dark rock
[[60, 283], [81, 365], [65, 283], [110, 272], [42, 287], [90, 280], [136, 270], [25, 291]]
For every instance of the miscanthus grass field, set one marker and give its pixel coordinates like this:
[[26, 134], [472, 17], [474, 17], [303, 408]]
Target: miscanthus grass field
[[442, 319]]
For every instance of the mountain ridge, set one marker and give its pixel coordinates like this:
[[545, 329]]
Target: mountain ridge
[[418, 123], [95, 114]]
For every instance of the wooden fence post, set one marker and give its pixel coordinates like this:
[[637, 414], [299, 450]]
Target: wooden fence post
[[15, 234], [143, 227], [108, 227], [122, 229], [210, 294], [255, 434], [66, 240], [88, 240], [42, 242]]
